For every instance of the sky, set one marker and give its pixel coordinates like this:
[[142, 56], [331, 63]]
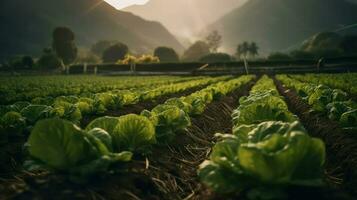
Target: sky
[[120, 4]]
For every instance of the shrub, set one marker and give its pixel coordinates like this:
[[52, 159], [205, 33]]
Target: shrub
[[166, 54], [148, 59], [115, 52], [216, 57], [49, 61], [128, 59], [28, 62]]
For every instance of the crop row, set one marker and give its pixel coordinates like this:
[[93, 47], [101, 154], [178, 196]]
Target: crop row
[[346, 82], [14, 89], [268, 151], [333, 103], [15, 119], [59, 145]]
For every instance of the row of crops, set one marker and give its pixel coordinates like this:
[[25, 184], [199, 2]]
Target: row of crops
[[336, 104], [268, 149], [37, 89], [268, 152], [20, 116], [59, 145]]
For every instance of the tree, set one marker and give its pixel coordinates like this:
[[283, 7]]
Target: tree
[[115, 52], [21, 62], [196, 51], [239, 51], [63, 44], [243, 50], [99, 47], [166, 54], [214, 40], [49, 60], [253, 49]]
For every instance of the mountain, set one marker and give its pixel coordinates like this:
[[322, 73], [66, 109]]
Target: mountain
[[27, 26], [185, 17], [279, 24]]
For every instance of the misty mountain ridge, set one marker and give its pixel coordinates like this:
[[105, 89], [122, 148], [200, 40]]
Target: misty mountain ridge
[[185, 18], [279, 24], [27, 29]]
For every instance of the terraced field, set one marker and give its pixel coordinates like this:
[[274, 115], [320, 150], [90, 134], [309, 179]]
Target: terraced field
[[171, 137]]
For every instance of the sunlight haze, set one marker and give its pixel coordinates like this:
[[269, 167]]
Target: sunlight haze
[[120, 4]]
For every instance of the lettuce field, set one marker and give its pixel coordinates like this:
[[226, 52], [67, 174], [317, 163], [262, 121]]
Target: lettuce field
[[179, 137]]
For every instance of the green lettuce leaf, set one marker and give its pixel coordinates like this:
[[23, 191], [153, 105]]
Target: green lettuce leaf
[[134, 133], [103, 136], [349, 119], [33, 113], [170, 120], [59, 145], [12, 124], [106, 123]]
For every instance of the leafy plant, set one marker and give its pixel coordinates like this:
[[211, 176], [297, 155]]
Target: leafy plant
[[268, 151], [261, 107], [106, 123], [60, 145], [134, 133], [334, 103], [12, 124], [274, 153], [170, 119], [33, 113]]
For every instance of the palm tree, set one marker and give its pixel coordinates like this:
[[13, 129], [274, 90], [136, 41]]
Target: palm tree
[[253, 49], [242, 50], [245, 49], [239, 51]]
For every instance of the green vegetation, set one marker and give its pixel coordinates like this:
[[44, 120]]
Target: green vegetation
[[166, 54], [216, 57], [63, 45], [246, 49], [333, 103], [83, 128], [59, 145], [115, 52], [268, 150]]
